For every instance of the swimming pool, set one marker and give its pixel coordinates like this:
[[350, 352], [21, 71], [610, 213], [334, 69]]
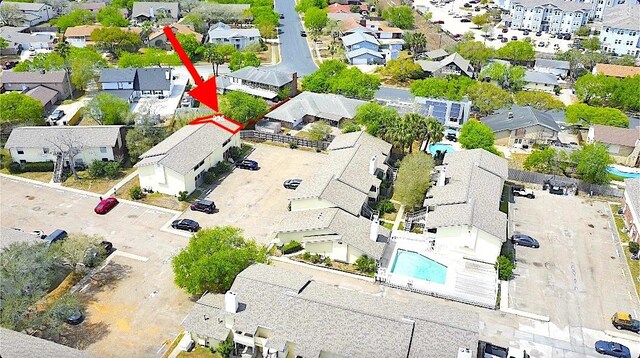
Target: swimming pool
[[443, 148], [616, 171], [412, 264]]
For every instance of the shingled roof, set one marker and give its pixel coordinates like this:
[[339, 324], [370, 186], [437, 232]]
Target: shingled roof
[[45, 136], [628, 137], [518, 117], [20, 345]]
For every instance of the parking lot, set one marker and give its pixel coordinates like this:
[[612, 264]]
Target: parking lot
[[133, 307], [256, 201]]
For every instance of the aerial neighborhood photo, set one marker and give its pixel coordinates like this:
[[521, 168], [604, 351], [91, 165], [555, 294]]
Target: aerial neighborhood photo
[[320, 178]]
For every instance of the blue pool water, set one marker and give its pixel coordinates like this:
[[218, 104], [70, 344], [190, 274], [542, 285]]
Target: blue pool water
[[411, 264], [614, 170], [443, 148]]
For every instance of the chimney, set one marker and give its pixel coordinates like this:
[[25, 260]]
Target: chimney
[[294, 84], [152, 12], [231, 302], [510, 115], [375, 228], [372, 165]]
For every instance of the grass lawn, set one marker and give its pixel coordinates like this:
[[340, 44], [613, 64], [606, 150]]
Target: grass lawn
[[173, 345], [634, 265], [44, 177], [303, 134], [624, 238], [199, 352], [388, 225], [164, 201], [98, 185], [517, 160]]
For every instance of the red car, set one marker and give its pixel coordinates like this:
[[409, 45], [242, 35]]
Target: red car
[[439, 22], [105, 205]]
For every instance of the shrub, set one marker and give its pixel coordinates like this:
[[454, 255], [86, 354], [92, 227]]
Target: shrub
[[306, 256], [366, 264], [14, 168], [505, 268], [235, 153], [209, 177], [135, 193], [634, 247], [100, 169], [385, 206], [96, 169], [317, 259], [293, 145], [221, 168], [349, 126], [225, 348], [327, 262], [112, 169], [182, 196], [291, 247]]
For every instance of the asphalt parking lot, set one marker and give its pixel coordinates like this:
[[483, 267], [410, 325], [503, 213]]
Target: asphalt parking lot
[[256, 201], [133, 307]]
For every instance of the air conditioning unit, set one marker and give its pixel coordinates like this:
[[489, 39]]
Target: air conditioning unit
[[464, 353]]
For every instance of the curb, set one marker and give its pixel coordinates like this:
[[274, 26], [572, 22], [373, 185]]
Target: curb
[[617, 334]]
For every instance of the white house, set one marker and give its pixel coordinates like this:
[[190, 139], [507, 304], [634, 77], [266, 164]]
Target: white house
[[44, 144], [133, 83], [179, 162], [153, 11], [223, 34], [540, 81], [621, 30], [554, 16], [32, 13], [19, 39], [258, 81], [555, 67]]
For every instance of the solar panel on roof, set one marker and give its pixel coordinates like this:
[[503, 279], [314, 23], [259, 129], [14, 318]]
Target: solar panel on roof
[[455, 110]]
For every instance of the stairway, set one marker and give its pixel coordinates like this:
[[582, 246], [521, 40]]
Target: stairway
[[415, 218], [58, 169]]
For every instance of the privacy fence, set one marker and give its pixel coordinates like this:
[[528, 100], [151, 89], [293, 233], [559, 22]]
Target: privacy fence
[[281, 138], [539, 178]]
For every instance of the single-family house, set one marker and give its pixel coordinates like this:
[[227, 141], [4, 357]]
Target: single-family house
[[342, 12], [94, 7], [19, 39], [463, 207], [436, 55], [623, 144], [159, 39], [554, 67], [80, 36], [274, 312], [223, 34], [631, 208], [9, 236], [615, 70], [133, 83], [453, 64], [522, 126], [46, 143], [180, 162], [16, 345], [261, 82], [540, 81], [452, 114], [47, 87], [390, 39], [31, 14], [166, 12], [362, 49], [308, 107]]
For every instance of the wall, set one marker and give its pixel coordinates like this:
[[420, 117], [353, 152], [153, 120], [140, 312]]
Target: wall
[[88, 155], [161, 179], [470, 242], [79, 41]]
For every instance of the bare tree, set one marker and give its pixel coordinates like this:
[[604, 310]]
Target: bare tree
[[69, 145], [10, 15]]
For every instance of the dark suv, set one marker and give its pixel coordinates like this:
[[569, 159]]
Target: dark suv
[[186, 224], [206, 206], [247, 164]]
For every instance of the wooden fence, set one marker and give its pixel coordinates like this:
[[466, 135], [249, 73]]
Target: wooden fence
[[281, 138], [539, 178]]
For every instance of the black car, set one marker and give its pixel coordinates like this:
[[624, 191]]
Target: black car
[[185, 224], [292, 183], [467, 5], [464, 19], [281, 16], [75, 318], [514, 38], [206, 206], [303, 34], [107, 246], [539, 33], [452, 137], [526, 32], [524, 240], [247, 164], [500, 36]]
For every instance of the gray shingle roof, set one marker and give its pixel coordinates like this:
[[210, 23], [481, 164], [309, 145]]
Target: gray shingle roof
[[110, 75], [43, 94], [144, 8], [224, 31], [544, 63], [44, 136], [153, 79], [317, 318], [14, 36], [24, 6], [363, 51], [523, 117], [33, 77], [540, 77], [472, 195], [623, 16], [627, 137], [9, 236], [561, 4], [434, 54], [358, 37], [187, 147], [316, 104], [632, 190], [19, 345], [263, 75], [454, 58]]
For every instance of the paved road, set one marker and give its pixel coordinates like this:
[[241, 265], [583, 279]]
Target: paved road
[[294, 50]]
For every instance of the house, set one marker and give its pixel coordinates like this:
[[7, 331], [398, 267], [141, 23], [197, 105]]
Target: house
[[554, 67], [553, 16], [520, 126], [540, 81], [45, 144], [32, 14], [9, 236], [362, 49], [20, 39], [274, 312], [623, 144], [308, 107], [631, 208], [621, 30], [258, 81], [159, 39], [18, 345], [342, 12], [390, 39], [231, 13], [223, 34], [80, 36], [133, 83], [179, 162], [47, 87], [155, 11], [453, 64], [615, 70], [94, 7], [452, 114], [436, 55]]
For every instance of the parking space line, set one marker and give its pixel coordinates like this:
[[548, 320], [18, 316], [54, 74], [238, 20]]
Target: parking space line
[[131, 256]]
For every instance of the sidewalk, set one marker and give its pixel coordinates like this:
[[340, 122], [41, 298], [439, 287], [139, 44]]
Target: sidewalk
[[399, 219]]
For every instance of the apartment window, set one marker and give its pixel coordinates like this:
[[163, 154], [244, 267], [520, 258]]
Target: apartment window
[[103, 149], [20, 150], [620, 32], [199, 165], [618, 42], [226, 142], [45, 150]]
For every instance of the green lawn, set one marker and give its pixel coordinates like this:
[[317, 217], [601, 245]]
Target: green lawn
[[95, 185], [44, 177], [199, 352]]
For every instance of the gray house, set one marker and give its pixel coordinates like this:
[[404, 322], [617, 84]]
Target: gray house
[[522, 126], [17, 345], [168, 12], [453, 64], [362, 49], [133, 83], [540, 81], [47, 87], [258, 81], [554, 67], [308, 107]]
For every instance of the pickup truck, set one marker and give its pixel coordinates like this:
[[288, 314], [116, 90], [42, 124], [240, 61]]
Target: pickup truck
[[519, 190], [622, 320]]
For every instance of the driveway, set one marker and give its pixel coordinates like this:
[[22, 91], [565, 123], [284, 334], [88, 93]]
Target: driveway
[[256, 201], [133, 306], [166, 107]]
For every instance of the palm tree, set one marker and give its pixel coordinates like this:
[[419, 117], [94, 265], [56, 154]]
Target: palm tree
[[435, 130], [417, 125], [419, 43], [64, 49]]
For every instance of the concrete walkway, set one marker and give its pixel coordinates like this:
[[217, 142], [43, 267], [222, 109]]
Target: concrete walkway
[[120, 184], [399, 218], [504, 305]]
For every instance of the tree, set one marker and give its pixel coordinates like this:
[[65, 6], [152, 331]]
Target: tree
[[197, 21], [507, 76], [583, 114], [583, 31], [537, 99], [243, 107], [480, 20], [319, 130], [505, 267], [399, 16], [115, 40], [373, 116], [366, 265], [416, 42], [217, 55], [413, 179], [18, 107], [3, 43], [402, 69], [453, 88], [518, 51], [435, 130], [143, 137], [108, 109], [475, 51], [488, 97], [592, 43], [11, 15], [75, 18], [592, 162], [213, 258], [315, 19], [546, 161], [191, 46], [75, 250], [334, 77], [243, 59], [111, 16], [626, 60], [69, 145], [304, 5], [475, 134]]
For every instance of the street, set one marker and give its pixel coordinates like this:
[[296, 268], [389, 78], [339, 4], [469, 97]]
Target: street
[[294, 51]]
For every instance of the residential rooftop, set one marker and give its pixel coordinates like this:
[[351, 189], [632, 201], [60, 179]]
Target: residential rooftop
[[632, 190], [561, 4], [616, 70], [41, 77], [331, 106], [46, 136], [263, 75], [623, 16], [518, 117], [20, 345], [9, 236], [628, 137], [544, 63], [145, 8], [540, 77]]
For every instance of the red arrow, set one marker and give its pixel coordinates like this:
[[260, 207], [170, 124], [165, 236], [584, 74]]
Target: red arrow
[[205, 91]]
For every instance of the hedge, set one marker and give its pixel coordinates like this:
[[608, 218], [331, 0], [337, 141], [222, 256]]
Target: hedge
[[291, 247], [30, 167]]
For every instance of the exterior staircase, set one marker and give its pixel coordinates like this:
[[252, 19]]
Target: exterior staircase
[[369, 212], [414, 218], [58, 169]]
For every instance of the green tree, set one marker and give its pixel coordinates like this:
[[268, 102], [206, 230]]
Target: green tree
[[74, 18], [366, 265], [74, 251], [319, 130], [626, 94], [518, 51], [505, 267], [592, 43], [537, 99], [475, 134], [213, 258], [592, 162], [243, 107], [488, 97], [217, 55], [399, 16], [18, 107], [416, 42], [453, 88], [315, 19], [243, 59], [115, 40], [595, 89], [143, 137], [626, 60], [334, 77], [304, 5], [583, 114], [413, 179], [48, 62], [123, 4], [480, 20], [3, 43], [192, 47], [197, 21], [583, 31], [507, 76], [476, 52], [108, 109], [151, 57], [435, 130], [373, 116], [402, 69], [547, 161], [111, 16]]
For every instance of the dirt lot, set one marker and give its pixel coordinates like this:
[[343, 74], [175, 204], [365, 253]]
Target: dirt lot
[[133, 305], [256, 201]]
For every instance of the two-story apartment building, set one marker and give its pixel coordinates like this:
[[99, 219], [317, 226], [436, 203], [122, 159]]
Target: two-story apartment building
[[223, 34], [179, 162], [554, 16], [133, 83], [258, 81], [621, 30], [31, 13]]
